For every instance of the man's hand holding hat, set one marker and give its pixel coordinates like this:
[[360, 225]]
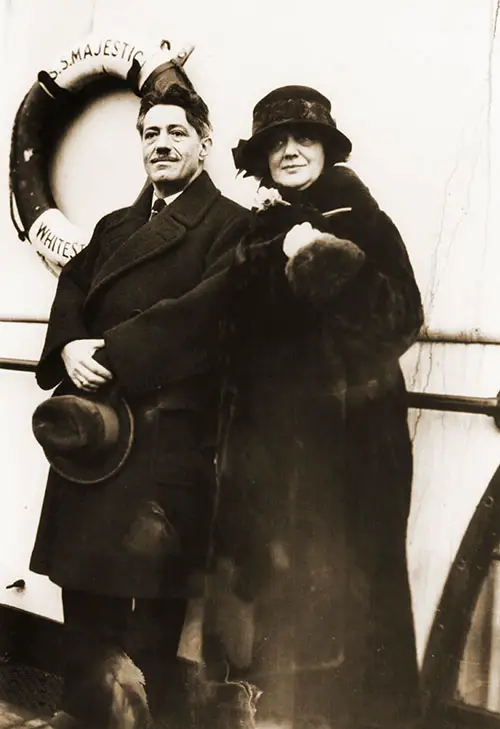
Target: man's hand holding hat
[[82, 368]]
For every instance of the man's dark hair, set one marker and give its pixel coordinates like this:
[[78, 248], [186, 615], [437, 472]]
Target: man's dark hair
[[176, 95]]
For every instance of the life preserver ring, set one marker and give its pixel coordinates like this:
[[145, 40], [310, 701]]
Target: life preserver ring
[[55, 238]]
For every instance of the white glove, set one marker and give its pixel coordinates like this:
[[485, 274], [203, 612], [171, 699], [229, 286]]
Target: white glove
[[299, 236]]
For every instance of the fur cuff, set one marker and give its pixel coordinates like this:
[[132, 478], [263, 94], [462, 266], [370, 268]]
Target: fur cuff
[[321, 269]]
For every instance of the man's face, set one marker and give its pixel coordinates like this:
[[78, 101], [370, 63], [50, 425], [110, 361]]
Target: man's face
[[173, 153], [295, 158]]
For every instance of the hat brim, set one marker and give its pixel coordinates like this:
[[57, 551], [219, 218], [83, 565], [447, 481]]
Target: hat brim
[[248, 154], [107, 465]]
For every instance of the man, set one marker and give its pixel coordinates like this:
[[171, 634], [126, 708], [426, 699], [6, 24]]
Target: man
[[138, 309]]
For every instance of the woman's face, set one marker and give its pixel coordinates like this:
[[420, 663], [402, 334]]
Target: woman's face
[[295, 158]]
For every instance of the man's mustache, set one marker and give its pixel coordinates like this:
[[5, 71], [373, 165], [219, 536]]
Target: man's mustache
[[165, 158]]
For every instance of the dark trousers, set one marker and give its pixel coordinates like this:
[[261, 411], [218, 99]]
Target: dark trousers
[[147, 630]]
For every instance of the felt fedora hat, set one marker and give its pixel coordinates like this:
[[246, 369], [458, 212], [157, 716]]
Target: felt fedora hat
[[285, 106], [86, 437]]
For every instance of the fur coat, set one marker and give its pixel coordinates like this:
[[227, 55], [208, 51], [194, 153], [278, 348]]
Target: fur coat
[[315, 461]]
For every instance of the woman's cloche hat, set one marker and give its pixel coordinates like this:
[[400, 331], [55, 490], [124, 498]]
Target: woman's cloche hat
[[86, 437], [289, 105]]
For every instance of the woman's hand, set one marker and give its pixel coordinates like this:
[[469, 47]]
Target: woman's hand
[[303, 234], [84, 372], [320, 264], [299, 236]]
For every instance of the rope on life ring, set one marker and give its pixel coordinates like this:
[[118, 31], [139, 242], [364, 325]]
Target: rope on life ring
[[142, 65]]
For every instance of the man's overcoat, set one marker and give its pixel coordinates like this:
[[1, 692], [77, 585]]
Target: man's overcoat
[[154, 291]]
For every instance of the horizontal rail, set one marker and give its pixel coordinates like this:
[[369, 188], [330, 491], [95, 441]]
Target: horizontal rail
[[23, 320], [454, 403], [416, 400], [19, 365], [426, 334], [439, 336]]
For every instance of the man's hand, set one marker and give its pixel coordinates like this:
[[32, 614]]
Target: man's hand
[[82, 369]]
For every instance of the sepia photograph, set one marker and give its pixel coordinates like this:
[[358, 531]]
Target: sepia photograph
[[250, 364]]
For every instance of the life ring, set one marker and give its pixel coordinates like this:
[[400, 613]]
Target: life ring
[[140, 64]]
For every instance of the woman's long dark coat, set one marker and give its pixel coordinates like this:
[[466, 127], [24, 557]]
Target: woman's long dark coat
[[315, 461], [153, 291]]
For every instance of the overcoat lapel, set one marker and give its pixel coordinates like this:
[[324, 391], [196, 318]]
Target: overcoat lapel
[[135, 239]]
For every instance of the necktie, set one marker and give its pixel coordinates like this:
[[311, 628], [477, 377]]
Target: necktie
[[158, 206]]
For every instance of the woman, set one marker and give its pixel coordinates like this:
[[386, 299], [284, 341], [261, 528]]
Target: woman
[[315, 459]]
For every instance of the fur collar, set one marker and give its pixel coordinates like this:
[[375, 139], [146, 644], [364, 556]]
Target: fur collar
[[337, 187]]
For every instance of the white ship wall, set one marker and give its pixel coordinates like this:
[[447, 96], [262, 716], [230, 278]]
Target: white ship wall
[[414, 85]]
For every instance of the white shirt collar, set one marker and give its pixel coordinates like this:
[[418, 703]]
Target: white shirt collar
[[169, 199]]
